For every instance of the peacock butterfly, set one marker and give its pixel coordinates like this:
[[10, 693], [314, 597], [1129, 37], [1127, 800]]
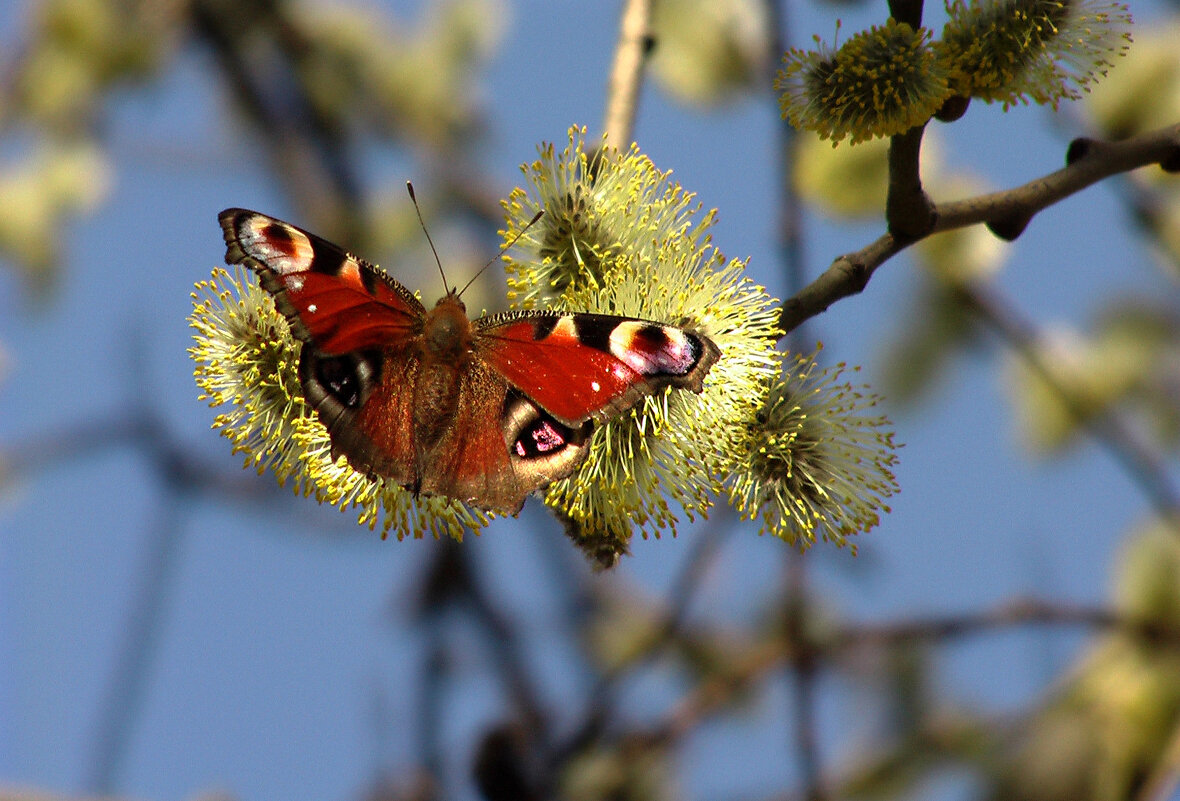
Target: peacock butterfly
[[485, 411]]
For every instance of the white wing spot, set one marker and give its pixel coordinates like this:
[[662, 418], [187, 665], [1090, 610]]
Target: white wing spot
[[311, 307], [565, 328], [634, 344], [594, 385], [256, 240], [622, 347]]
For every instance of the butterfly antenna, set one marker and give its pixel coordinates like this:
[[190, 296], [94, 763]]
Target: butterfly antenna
[[503, 250], [418, 211]]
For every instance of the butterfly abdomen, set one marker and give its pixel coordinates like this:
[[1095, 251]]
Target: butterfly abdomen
[[436, 402]]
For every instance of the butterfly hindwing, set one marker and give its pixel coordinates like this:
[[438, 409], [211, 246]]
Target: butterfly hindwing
[[496, 448], [505, 448], [373, 426]]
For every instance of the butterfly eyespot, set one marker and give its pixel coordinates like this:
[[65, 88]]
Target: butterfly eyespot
[[533, 434], [652, 349], [345, 379], [541, 438]]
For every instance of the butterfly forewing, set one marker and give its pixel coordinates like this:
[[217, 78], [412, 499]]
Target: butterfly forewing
[[591, 366], [334, 300]]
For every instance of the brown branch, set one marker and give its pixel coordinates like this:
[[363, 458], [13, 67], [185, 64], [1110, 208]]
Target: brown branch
[[626, 74], [1089, 161], [122, 701], [172, 459], [847, 275], [1014, 613], [311, 160], [907, 11], [1005, 212], [711, 695], [602, 698], [789, 223], [909, 212]]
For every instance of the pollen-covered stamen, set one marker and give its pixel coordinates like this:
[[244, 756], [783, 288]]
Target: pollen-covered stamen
[[820, 464], [571, 239], [880, 82], [1045, 51]]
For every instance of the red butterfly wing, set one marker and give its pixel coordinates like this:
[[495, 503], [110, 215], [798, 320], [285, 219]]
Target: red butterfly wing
[[333, 300], [590, 366]]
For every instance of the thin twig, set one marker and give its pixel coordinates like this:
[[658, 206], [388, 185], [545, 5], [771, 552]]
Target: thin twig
[[125, 691], [712, 694], [626, 75], [790, 245], [804, 667], [600, 703], [847, 275], [1161, 782], [1014, 613], [761, 661], [1110, 428], [789, 228], [308, 158], [510, 656], [173, 460]]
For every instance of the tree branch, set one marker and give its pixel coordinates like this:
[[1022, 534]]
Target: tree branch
[[310, 158], [789, 223], [804, 666], [909, 212], [757, 663], [602, 700], [907, 11], [1006, 213], [1161, 782], [626, 74], [1017, 612]]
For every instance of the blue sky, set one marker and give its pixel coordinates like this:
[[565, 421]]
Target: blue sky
[[286, 626]]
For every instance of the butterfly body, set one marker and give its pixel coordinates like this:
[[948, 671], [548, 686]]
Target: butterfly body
[[484, 411]]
